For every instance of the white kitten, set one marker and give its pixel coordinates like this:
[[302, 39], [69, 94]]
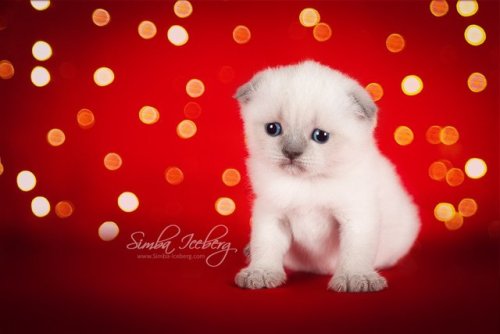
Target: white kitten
[[327, 200]]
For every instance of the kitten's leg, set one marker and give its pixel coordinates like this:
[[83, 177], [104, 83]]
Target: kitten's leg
[[270, 241], [359, 235]]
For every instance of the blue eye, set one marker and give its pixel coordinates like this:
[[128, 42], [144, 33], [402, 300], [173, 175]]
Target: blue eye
[[320, 136], [273, 129]]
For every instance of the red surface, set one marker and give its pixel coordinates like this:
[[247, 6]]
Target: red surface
[[58, 276]]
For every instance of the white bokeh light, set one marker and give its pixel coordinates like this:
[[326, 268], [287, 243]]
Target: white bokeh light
[[475, 168], [40, 206], [40, 76], [108, 231], [177, 35], [40, 4], [41, 50], [26, 180], [412, 85], [467, 8], [103, 76], [475, 35], [128, 201]]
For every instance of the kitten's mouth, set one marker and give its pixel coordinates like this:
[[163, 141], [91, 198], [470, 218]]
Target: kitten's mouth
[[292, 166]]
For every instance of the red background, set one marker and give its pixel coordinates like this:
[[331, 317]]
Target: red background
[[58, 276]]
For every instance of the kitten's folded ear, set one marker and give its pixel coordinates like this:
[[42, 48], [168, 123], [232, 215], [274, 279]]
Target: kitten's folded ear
[[245, 92], [368, 108]]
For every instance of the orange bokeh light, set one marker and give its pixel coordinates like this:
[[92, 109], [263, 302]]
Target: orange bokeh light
[[112, 161], [192, 110], [322, 32], [231, 177], [64, 209], [6, 69], [432, 135], [467, 207], [449, 135], [195, 88], [403, 135], [439, 7], [183, 9], [375, 90], [454, 223], [174, 175], [85, 118], [186, 129], [225, 206], [455, 177], [241, 34], [56, 137], [395, 43], [101, 17], [438, 170]]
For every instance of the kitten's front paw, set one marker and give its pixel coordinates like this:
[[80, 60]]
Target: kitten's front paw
[[357, 282], [259, 278]]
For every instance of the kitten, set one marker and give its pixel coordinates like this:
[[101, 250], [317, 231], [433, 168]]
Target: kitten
[[326, 199]]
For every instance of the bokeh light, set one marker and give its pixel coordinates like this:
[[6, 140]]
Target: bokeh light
[[41, 50], [40, 76], [395, 43], [375, 90], [467, 207], [467, 8], [177, 35], [40, 4], [192, 110], [444, 211], [412, 85], [438, 170], [195, 88], [85, 118], [309, 17], [108, 231], [186, 129], [432, 135], [147, 29], [475, 168], [241, 34], [56, 137], [103, 76], [183, 9], [475, 35], [231, 177], [449, 135], [174, 175], [403, 135], [477, 82], [6, 69], [439, 7], [322, 32], [40, 206], [225, 206], [1, 168], [113, 161], [455, 222], [26, 180], [64, 209], [101, 17], [128, 201], [455, 177], [149, 115]]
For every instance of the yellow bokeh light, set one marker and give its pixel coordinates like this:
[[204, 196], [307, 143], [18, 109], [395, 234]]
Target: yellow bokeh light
[[101, 17], [477, 82], [186, 129], [475, 35], [64, 209], [26, 180], [432, 134], [231, 177], [85, 118], [475, 168], [41, 50], [375, 90], [455, 177], [241, 34], [467, 8], [395, 43], [438, 170], [455, 222], [174, 175], [6, 69], [40, 4], [113, 161], [183, 9], [40, 76], [225, 206], [192, 110], [56, 137], [128, 201], [149, 115], [1, 168], [309, 17], [40, 206], [412, 85], [444, 211], [108, 231], [177, 35], [195, 88], [147, 29], [103, 76], [449, 135], [439, 7], [322, 32], [467, 207], [403, 135]]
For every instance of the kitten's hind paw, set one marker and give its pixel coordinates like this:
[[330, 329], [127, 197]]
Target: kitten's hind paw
[[357, 282], [259, 278]]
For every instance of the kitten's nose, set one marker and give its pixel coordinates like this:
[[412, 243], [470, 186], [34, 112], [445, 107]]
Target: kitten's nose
[[291, 154]]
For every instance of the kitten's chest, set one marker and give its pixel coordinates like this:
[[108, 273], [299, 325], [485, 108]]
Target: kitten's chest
[[311, 226]]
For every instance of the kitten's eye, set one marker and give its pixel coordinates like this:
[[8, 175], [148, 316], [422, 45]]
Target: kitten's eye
[[320, 136], [273, 129]]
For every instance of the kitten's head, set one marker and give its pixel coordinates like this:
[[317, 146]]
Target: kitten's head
[[305, 119]]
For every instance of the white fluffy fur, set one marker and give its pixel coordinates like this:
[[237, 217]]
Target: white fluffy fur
[[339, 208]]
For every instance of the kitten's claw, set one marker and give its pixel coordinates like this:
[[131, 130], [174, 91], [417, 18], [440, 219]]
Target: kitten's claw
[[358, 282], [259, 278]]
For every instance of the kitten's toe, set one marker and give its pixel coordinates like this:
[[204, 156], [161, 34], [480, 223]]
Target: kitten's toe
[[358, 282], [259, 278]]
